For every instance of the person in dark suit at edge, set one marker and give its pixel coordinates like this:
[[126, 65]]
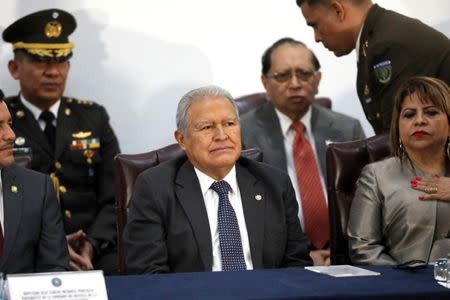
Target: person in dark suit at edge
[[32, 233], [68, 138], [390, 48], [212, 210]]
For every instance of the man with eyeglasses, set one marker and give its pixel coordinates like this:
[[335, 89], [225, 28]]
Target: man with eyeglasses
[[293, 132]]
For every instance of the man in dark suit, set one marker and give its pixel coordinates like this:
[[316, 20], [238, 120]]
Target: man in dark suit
[[291, 76], [67, 138], [31, 233], [390, 48], [212, 210]]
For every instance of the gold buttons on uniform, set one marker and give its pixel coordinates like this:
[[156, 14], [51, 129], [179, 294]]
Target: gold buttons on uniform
[[62, 189], [366, 46], [366, 90], [67, 111], [20, 141], [20, 114], [378, 115], [68, 214], [58, 165]]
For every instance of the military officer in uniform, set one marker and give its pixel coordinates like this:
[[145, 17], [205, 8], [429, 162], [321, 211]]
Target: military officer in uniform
[[67, 138], [390, 48]]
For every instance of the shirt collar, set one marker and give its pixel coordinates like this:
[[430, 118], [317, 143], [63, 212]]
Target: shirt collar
[[206, 181], [358, 42], [36, 111], [286, 122]]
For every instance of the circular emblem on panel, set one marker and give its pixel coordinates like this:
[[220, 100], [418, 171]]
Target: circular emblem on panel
[[56, 282]]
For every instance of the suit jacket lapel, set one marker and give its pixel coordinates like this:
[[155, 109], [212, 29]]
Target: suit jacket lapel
[[189, 195], [12, 205], [271, 136], [363, 67], [253, 211], [323, 131]]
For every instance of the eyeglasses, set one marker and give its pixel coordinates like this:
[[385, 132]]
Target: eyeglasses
[[282, 77]]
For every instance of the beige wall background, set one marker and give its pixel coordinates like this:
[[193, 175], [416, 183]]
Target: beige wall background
[[138, 57]]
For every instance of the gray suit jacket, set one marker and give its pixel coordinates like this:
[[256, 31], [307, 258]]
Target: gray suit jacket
[[261, 129], [168, 228], [34, 239], [389, 225]]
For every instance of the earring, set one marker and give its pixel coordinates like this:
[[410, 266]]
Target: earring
[[448, 147], [401, 149]]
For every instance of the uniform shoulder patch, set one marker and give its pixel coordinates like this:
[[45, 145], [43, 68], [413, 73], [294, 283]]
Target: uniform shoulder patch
[[383, 71]]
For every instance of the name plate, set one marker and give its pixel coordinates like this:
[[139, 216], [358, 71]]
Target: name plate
[[87, 285]]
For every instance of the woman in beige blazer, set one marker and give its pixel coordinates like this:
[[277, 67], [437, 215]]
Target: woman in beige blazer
[[401, 209]]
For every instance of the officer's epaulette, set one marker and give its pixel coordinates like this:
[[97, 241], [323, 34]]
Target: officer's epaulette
[[12, 101], [82, 103]]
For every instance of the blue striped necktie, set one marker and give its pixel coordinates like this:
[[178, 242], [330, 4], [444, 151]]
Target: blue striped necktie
[[229, 234]]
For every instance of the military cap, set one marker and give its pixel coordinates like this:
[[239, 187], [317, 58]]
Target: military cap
[[43, 34]]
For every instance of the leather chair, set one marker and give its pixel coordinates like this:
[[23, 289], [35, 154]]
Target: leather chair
[[252, 101], [127, 167], [249, 102], [344, 164]]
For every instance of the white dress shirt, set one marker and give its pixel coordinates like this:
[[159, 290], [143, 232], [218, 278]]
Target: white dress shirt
[[211, 199], [36, 111], [288, 137], [358, 42]]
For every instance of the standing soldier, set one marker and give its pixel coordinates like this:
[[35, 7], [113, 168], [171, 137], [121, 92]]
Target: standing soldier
[[390, 48]]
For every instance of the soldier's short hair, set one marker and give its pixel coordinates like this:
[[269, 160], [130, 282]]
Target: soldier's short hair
[[324, 2]]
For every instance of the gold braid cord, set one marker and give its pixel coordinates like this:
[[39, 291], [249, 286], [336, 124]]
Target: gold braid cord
[[50, 52], [55, 182], [45, 50]]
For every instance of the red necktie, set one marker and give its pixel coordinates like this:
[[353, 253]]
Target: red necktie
[[315, 212]]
